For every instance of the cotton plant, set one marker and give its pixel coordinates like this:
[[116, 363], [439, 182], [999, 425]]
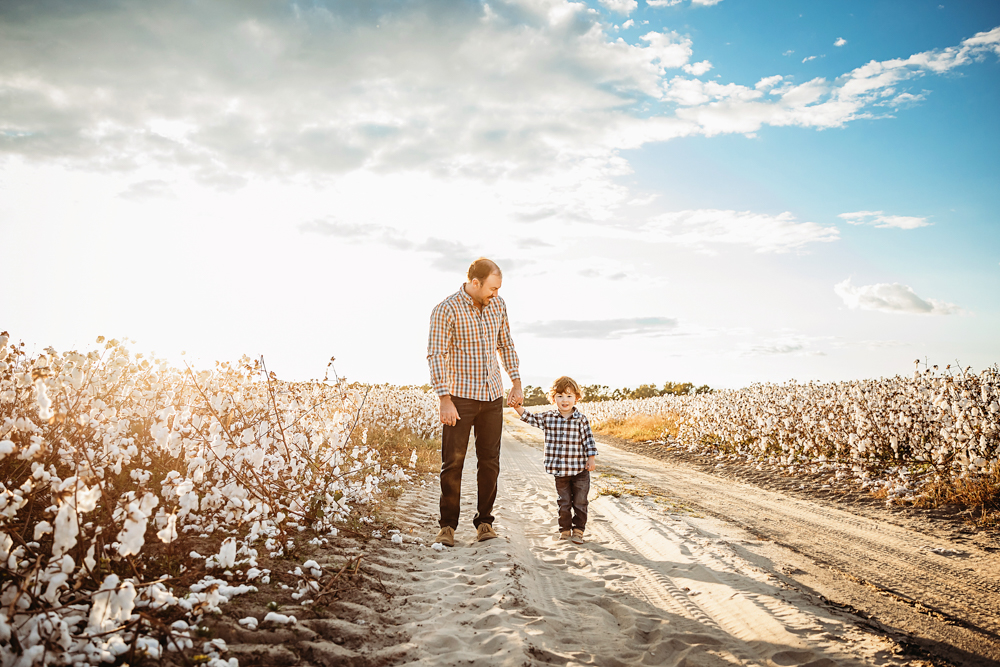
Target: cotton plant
[[890, 434], [108, 459]]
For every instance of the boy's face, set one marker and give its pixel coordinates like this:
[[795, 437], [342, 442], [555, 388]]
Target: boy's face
[[565, 400]]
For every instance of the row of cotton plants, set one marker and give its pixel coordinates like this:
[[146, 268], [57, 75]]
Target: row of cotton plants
[[892, 434], [108, 461]]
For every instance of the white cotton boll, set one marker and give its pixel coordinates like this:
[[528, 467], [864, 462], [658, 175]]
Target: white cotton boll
[[45, 412], [150, 646], [66, 530], [227, 554], [397, 539], [437, 546], [313, 567], [218, 446], [133, 535], [169, 532], [281, 619], [413, 459], [116, 646], [160, 597], [105, 605], [250, 623], [6, 447], [256, 458], [42, 528]]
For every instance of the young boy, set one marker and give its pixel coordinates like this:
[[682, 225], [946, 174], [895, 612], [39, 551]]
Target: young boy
[[569, 454]]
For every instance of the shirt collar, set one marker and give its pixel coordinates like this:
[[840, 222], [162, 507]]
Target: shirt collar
[[573, 415], [465, 295], [472, 302]]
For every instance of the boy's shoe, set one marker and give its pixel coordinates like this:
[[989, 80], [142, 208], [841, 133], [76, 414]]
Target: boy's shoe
[[485, 532], [565, 535], [577, 536], [446, 536]]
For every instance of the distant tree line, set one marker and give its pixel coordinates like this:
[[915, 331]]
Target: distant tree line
[[601, 392]]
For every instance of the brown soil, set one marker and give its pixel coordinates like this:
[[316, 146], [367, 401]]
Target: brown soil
[[951, 522]]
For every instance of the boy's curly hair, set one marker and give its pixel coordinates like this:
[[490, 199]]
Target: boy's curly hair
[[563, 385]]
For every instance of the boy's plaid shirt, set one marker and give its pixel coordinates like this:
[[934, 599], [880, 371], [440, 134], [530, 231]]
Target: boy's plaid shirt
[[568, 442], [463, 344]]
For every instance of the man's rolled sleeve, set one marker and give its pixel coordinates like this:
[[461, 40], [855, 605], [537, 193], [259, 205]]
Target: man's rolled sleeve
[[438, 344], [505, 344]]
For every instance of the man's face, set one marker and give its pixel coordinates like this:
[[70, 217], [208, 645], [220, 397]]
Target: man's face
[[484, 292]]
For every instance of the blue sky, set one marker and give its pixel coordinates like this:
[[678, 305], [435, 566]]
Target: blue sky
[[714, 191]]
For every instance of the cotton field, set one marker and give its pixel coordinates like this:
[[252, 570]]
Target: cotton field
[[107, 460], [893, 434]]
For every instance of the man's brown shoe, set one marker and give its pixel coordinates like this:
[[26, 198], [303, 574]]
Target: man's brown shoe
[[446, 536], [577, 536], [565, 535], [485, 532]]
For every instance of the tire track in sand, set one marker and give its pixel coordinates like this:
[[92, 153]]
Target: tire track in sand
[[957, 589], [646, 589]]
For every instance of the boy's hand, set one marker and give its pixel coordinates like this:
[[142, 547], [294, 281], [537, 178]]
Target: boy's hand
[[591, 464]]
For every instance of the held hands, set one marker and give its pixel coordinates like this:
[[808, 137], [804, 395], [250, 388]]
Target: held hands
[[515, 398]]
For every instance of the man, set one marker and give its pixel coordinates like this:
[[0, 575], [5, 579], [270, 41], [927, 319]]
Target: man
[[467, 330]]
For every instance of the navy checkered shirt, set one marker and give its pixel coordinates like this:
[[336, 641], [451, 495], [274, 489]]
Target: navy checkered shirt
[[568, 442]]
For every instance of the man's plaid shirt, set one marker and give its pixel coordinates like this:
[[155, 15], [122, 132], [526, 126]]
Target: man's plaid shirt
[[463, 344], [568, 442]]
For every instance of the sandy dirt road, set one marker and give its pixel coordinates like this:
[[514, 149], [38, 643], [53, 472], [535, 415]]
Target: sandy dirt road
[[654, 585]]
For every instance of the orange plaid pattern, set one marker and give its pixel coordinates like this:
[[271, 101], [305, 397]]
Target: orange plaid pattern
[[463, 344]]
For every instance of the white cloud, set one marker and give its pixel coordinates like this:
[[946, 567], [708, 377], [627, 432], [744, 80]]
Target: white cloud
[[840, 41], [690, 92], [880, 219], [148, 189], [891, 298], [787, 343], [672, 3], [761, 231], [628, 24], [822, 104], [600, 329], [522, 90], [625, 7], [697, 69], [808, 58], [283, 90], [788, 52], [768, 82]]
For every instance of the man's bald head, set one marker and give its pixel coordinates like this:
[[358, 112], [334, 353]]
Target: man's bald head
[[483, 268]]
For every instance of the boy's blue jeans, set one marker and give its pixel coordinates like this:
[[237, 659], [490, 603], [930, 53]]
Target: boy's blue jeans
[[572, 492]]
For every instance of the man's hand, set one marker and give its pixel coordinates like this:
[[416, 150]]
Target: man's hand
[[449, 413], [515, 398]]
